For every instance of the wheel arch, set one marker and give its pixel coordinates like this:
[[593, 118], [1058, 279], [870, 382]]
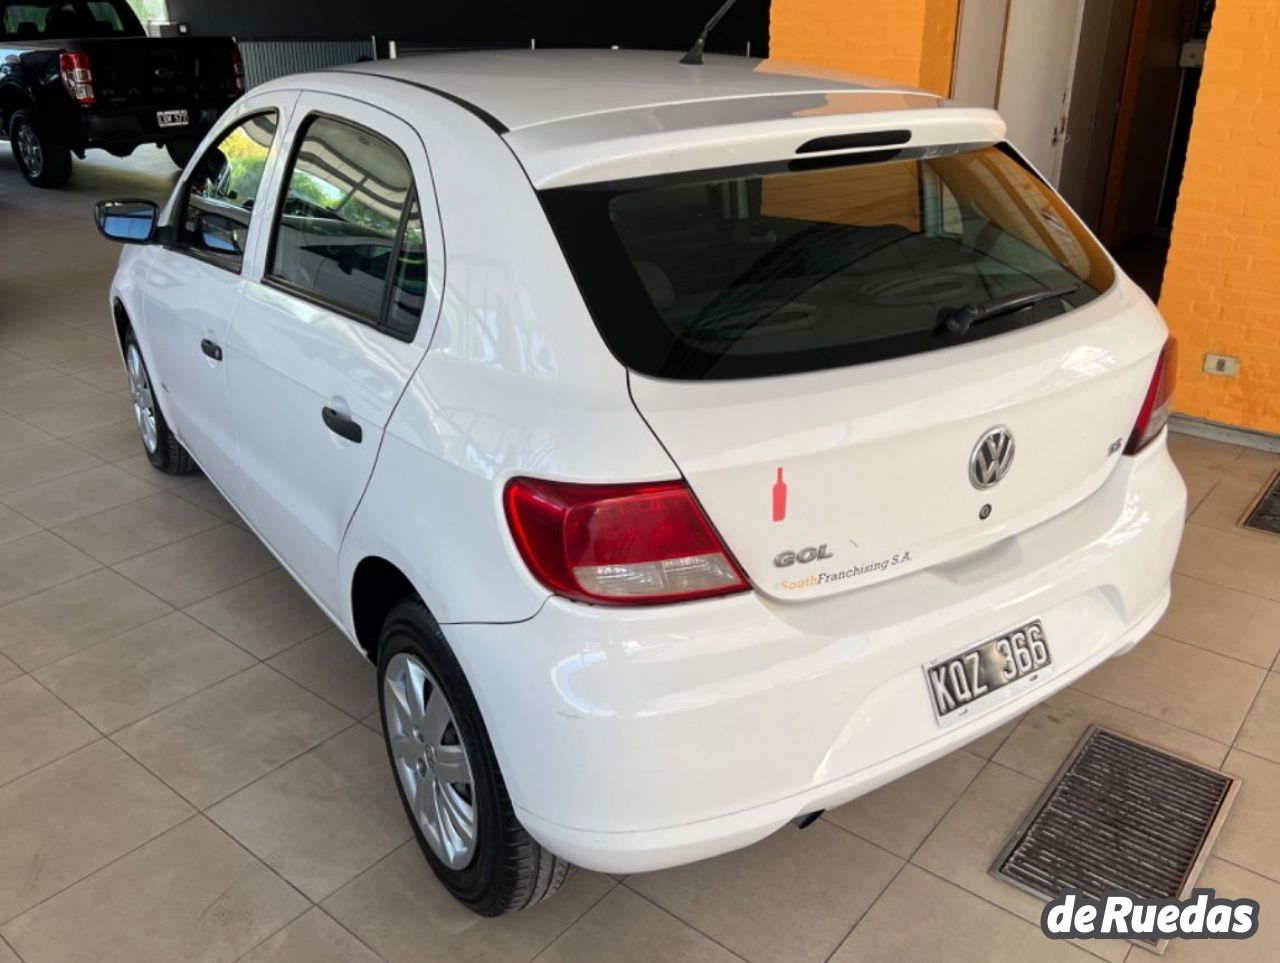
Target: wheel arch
[[12, 98], [377, 586]]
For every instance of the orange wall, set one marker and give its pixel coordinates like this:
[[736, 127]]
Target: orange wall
[[1222, 284], [912, 41]]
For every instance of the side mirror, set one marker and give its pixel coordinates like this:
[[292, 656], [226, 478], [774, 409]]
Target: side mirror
[[131, 222]]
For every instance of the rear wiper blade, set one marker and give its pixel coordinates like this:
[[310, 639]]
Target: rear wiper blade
[[960, 320]]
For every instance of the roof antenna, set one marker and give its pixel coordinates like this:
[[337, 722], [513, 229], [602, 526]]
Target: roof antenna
[[694, 56]]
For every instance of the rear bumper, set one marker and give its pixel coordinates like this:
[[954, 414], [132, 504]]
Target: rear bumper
[[634, 740], [140, 126]]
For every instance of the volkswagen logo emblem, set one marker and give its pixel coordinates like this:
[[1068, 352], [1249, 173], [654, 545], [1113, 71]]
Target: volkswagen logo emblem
[[991, 457]]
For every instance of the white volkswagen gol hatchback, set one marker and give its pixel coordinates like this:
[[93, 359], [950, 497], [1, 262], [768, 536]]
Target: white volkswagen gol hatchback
[[693, 448]]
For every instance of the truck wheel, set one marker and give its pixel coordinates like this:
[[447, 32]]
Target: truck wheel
[[448, 776], [43, 157], [181, 151]]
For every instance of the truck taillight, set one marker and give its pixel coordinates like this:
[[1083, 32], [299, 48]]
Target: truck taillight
[[77, 77], [640, 544], [1158, 404], [237, 70]]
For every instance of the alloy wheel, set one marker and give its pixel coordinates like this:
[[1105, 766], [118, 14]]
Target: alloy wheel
[[29, 150], [430, 760], [144, 405]]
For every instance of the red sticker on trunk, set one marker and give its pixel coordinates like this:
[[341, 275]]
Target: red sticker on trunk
[[779, 498]]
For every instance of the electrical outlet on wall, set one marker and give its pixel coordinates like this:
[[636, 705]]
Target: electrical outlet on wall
[[1222, 364]]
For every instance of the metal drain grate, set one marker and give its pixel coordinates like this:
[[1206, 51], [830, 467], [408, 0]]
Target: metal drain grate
[[1118, 815], [1266, 514]]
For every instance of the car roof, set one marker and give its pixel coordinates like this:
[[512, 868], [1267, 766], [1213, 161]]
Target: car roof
[[578, 116], [521, 88]]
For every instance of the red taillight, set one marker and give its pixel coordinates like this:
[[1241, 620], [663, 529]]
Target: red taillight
[[1158, 404], [237, 70], [620, 544], [77, 77]]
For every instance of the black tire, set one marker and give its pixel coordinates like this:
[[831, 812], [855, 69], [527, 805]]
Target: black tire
[[181, 151], [52, 166], [169, 456], [509, 870]]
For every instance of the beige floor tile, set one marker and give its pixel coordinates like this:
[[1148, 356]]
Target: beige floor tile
[[265, 616], [625, 928], [10, 671], [1189, 451], [312, 938], [1231, 882], [99, 410], [36, 562], [7, 955], [111, 444], [1179, 684], [45, 395], [138, 527], [399, 910], [75, 496], [106, 375], [1255, 466], [325, 817], [1260, 734], [330, 666], [138, 672], [1243, 626], [35, 729], [200, 492], [1251, 835], [200, 566], [192, 895], [971, 835], [1226, 506], [1228, 558], [899, 816], [16, 374], [13, 525], [219, 740], [42, 463], [791, 897], [986, 746], [61, 621], [16, 433], [1051, 730], [73, 816], [1199, 484], [921, 917]]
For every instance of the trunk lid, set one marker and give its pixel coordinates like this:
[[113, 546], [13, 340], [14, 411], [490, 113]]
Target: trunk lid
[[161, 72], [875, 458]]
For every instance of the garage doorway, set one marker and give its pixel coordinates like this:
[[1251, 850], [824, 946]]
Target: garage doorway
[[1098, 95]]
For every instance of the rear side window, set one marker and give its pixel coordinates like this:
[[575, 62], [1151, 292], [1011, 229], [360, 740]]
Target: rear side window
[[786, 267], [349, 234], [220, 196]]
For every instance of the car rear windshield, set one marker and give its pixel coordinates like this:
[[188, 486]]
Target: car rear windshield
[[807, 265], [67, 19]]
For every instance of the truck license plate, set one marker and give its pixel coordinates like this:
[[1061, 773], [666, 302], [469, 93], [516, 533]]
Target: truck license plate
[[957, 682], [172, 118]]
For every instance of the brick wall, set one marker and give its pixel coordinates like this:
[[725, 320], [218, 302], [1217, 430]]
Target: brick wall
[[1222, 284], [912, 41]]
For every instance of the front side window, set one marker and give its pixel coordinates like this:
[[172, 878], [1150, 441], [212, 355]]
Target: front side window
[[220, 198], [794, 267], [349, 235]]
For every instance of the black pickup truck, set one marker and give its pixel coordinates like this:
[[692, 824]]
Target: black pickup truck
[[81, 74]]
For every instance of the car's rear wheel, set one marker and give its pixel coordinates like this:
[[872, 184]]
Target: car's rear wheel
[[448, 776], [43, 157], [163, 449]]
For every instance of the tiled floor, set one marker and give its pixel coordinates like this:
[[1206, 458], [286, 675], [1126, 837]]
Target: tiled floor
[[189, 763]]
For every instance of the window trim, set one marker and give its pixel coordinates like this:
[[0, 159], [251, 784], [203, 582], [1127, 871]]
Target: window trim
[[175, 244], [272, 280]]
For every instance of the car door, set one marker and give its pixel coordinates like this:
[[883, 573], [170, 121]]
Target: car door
[[330, 331], [195, 286]]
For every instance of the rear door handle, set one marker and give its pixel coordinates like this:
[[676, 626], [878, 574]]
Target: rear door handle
[[341, 425], [211, 348]]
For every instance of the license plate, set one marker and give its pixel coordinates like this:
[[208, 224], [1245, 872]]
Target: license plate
[[957, 682], [172, 118]]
